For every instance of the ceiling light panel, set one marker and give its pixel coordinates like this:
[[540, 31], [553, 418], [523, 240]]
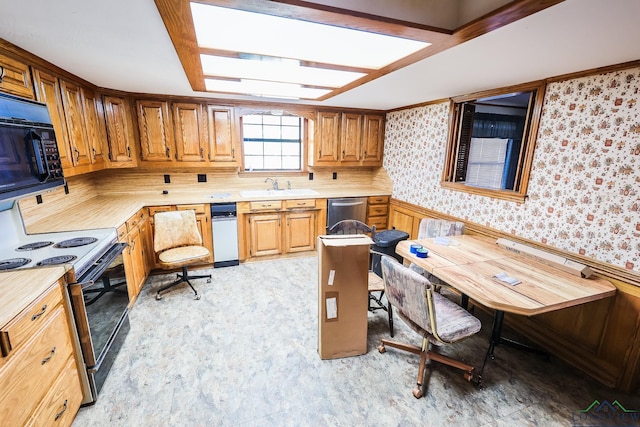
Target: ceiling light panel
[[264, 88], [240, 31], [277, 71]]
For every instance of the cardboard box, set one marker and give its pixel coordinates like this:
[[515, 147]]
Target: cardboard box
[[343, 268]]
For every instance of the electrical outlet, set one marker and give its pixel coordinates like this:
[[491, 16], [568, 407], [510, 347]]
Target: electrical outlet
[[335, 175], [310, 176], [167, 179], [202, 177]]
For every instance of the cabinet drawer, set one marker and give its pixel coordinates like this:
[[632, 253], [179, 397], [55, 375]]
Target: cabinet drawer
[[155, 209], [29, 374], [200, 209], [373, 200], [273, 205], [300, 204], [376, 210], [122, 231], [380, 222], [61, 403], [135, 220], [30, 320]]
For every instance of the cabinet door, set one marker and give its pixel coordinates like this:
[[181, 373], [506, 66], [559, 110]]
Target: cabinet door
[[300, 231], [372, 140], [95, 126], [74, 116], [134, 263], [146, 235], [327, 138], [264, 234], [220, 125], [119, 131], [350, 138], [48, 90], [190, 132], [16, 78], [156, 133], [204, 226]]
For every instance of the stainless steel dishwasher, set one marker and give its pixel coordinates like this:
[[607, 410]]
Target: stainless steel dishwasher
[[346, 208], [224, 223]]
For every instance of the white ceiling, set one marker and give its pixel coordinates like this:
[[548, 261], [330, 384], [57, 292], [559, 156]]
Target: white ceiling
[[123, 44]]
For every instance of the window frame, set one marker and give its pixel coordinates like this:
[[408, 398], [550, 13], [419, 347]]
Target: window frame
[[276, 110], [519, 194]]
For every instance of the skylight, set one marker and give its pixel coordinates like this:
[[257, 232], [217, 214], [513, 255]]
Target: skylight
[[256, 54]]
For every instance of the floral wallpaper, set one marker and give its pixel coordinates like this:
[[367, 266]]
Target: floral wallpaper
[[584, 189]]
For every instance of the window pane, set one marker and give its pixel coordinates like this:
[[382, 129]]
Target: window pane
[[252, 131], [291, 133], [253, 148], [272, 148], [290, 121], [289, 149], [253, 162], [272, 162], [291, 163], [255, 119], [272, 132], [271, 120]]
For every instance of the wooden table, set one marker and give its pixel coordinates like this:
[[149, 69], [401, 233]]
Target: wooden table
[[469, 264]]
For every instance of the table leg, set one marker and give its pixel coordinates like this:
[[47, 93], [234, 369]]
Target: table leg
[[496, 340]]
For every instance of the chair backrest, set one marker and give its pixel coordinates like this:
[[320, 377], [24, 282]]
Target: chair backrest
[[352, 226], [409, 292], [430, 227], [175, 228]]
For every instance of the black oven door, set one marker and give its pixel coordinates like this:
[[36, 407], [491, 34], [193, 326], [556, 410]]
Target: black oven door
[[100, 301]]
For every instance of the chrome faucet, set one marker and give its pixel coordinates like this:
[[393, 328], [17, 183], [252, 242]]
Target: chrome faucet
[[273, 182]]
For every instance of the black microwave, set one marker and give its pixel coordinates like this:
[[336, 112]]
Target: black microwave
[[29, 157]]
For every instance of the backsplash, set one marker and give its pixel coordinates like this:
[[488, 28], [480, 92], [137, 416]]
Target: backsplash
[[584, 189]]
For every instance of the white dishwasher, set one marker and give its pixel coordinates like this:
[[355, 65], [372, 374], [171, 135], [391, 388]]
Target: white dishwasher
[[224, 223]]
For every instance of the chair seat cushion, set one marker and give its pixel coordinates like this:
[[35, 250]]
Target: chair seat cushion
[[184, 255], [375, 282], [453, 322]]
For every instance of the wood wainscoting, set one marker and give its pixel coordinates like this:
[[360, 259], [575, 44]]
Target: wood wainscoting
[[599, 338]]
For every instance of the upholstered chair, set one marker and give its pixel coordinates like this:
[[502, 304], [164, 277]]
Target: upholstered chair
[[178, 244], [436, 319]]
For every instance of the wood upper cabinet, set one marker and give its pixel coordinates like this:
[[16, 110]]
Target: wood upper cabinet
[[222, 143], [372, 140], [95, 126], [190, 132], [350, 138], [15, 78], [327, 139], [156, 132], [48, 92], [119, 132], [74, 117]]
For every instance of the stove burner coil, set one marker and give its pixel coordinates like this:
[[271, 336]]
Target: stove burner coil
[[73, 243], [56, 260], [9, 264], [33, 246]]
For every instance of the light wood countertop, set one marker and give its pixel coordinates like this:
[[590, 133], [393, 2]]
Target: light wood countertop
[[20, 288]]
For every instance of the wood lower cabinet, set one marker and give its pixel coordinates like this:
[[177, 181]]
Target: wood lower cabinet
[[203, 217], [39, 381], [136, 233], [279, 227], [377, 212]]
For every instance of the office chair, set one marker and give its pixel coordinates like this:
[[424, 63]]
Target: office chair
[[178, 244], [375, 284], [435, 318]]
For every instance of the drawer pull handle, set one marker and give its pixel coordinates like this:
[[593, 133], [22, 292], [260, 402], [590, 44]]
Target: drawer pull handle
[[46, 359], [64, 408], [35, 316]]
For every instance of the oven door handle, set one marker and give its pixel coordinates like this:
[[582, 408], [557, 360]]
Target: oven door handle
[[82, 323], [100, 266]]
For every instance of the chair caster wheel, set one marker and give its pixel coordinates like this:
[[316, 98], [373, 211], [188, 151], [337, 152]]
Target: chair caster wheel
[[208, 280], [198, 296], [158, 297], [417, 392], [468, 376], [382, 349]]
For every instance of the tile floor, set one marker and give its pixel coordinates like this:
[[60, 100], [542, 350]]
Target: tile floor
[[246, 355]]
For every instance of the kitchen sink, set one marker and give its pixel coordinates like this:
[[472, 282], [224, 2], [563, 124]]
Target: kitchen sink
[[279, 193]]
